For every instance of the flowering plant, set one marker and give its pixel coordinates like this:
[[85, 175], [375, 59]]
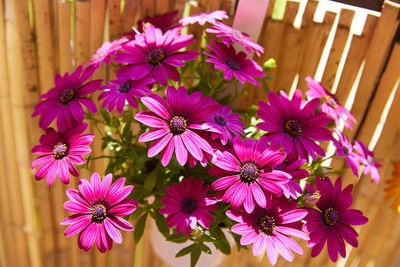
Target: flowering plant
[[191, 160]]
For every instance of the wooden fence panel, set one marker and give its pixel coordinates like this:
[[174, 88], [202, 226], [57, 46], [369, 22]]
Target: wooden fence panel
[[30, 234]]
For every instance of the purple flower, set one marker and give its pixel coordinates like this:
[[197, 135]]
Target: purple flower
[[204, 17], [270, 228], [121, 90], [98, 209], [367, 158], [60, 151], [249, 174], [187, 204], [156, 55], [233, 63], [294, 125], [104, 53], [330, 106], [331, 223], [225, 125], [231, 35], [65, 99], [178, 122], [345, 149], [293, 168]]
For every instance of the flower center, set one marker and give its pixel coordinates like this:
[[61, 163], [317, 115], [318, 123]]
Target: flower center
[[67, 95], [330, 217], [237, 34], [331, 101], [124, 87], [345, 150], [59, 150], [188, 205], [99, 213], [156, 56], [233, 64], [266, 224], [249, 173], [177, 125], [293, 127], [220, 120]]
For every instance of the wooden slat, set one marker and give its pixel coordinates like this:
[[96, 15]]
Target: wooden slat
[[63, 35], [355, 56], [315, 37], [290, 52], [335, 55], [376, 56], [114, 13]]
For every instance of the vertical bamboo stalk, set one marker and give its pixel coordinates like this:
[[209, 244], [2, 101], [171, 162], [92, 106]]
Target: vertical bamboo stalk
[[22, 90]]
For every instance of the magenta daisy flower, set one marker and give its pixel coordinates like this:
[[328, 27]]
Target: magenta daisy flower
[[330, 106], [187, 204], [204, 17], [225, 124], [292, 188], [270, 228], [345, 149], [104, 53], [294, 125], [65, 99], [177, 121], [231, 35], [98, 209], [156, 55], [225, 58], [249, 174], [60, 151], [331, 223], [367, 158], [119, 91]]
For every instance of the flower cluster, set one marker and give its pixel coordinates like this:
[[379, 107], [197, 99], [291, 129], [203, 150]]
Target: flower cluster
[[174, 110]]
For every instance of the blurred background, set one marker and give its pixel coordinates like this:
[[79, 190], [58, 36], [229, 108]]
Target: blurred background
[[352, 47]]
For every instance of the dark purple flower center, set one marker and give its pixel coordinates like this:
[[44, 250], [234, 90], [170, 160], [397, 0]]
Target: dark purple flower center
[[345, 150], [188, 205], [266, 224], [59, 150], [99, 213], [233, 64], [156, 56], [248, 173], [293, 127], [177, 125], [67, 95], [220, 120], [330, 216], [331, 101], [237, 34], [124, 87]]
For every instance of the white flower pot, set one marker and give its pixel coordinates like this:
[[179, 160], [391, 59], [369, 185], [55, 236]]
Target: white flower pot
[[166, 250]]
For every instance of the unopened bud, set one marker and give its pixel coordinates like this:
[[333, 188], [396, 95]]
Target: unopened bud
[[311, 199], [323, 171], [197, 232]]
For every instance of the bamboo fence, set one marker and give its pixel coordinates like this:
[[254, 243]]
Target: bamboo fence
[[39, 38]]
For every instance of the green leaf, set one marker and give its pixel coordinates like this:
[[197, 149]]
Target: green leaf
[[161, 224], [137, 212], [194, 256], [185, 251], [150, 182], [224, 246], [177, 238], [139, 228], [204, 248], [106, 115]]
